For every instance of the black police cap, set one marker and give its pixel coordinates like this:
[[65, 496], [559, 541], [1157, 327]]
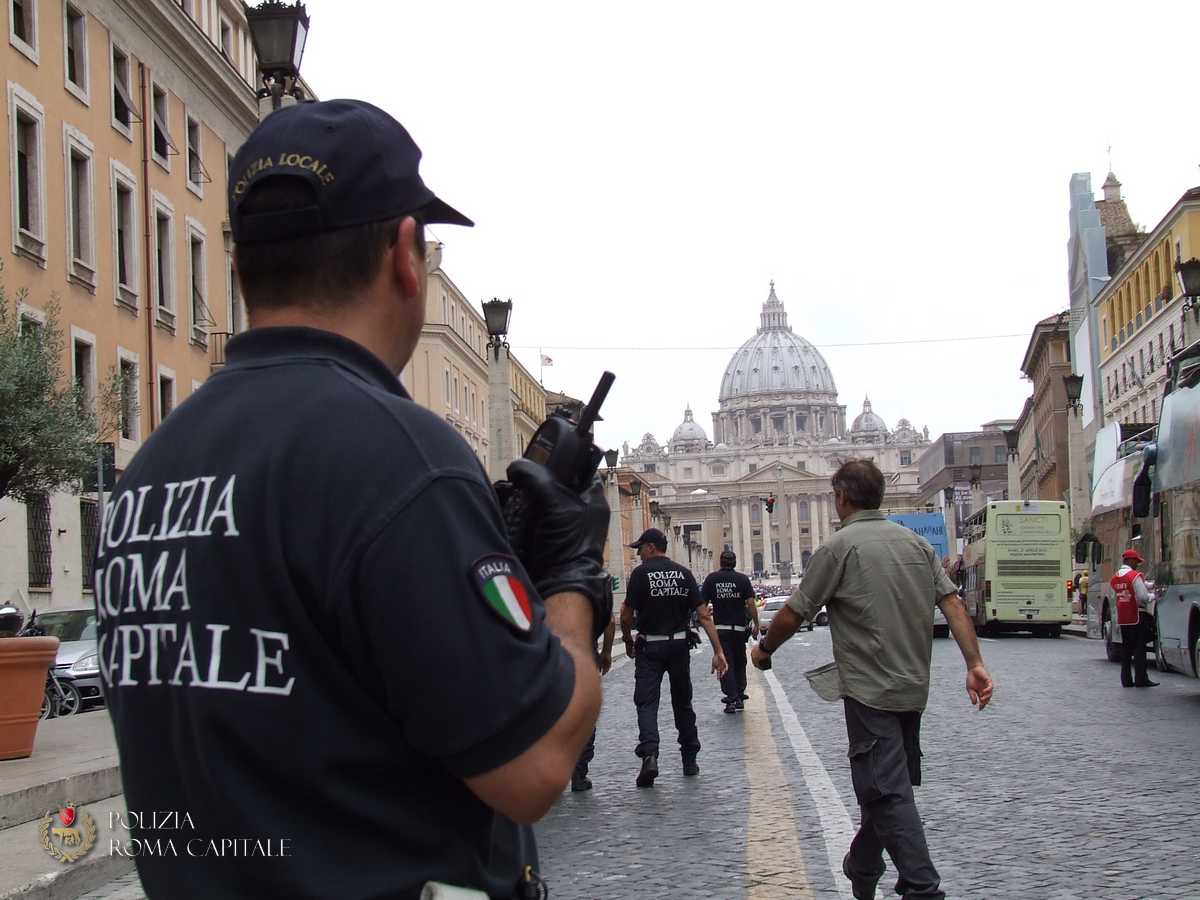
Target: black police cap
[[651, 536], [361, 163]]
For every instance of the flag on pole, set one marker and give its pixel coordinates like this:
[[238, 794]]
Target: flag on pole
[[547, 361]]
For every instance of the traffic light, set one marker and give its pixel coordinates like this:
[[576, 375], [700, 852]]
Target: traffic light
[[770, 504]]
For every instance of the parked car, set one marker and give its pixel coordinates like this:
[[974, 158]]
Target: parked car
[[77, 659], [774, 605]]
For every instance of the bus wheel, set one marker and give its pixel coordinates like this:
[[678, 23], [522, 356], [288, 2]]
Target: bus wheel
[[1111, 650], [1054, 631]]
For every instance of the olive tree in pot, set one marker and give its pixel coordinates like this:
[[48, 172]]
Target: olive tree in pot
[[50, 429]]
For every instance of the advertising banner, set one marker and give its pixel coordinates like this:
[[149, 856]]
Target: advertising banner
[[929, 525]]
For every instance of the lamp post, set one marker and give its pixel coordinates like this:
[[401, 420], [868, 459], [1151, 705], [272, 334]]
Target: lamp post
[[951, 507], [1077, 494], [976, 487], [1011, 438], [1189, 280], [616, 543], [501, 449], [278, 32]]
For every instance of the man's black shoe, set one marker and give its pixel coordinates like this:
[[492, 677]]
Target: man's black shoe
[[649, 771], [730, 707], [690, 766], [861, 888], [580, 783], [738, 704], [1146, 683], [744, 696]]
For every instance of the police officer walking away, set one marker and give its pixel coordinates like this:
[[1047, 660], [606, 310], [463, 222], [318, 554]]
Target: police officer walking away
[[334, 654], [1133, 603], [879, 582], [736, 617], [662, 594]]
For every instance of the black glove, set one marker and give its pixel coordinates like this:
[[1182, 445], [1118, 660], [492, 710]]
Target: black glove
[[566, 532]]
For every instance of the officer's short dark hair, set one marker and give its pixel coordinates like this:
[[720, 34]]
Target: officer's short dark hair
[[860, 483], [728, 558], [325, 269]]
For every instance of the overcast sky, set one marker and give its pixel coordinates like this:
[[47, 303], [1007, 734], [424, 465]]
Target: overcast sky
[[639, 172]]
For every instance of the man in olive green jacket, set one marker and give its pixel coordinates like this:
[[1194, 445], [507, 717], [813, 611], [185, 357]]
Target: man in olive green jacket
[[879, 582]]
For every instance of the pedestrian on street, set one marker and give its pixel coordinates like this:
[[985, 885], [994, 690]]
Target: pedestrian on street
[[1133, 605], [879, 582], [1083, 594], [579, 778], [661, 595], [736, 617], [337, 655]]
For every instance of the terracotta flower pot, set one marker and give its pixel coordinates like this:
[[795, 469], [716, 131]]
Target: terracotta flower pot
[[24, 662]]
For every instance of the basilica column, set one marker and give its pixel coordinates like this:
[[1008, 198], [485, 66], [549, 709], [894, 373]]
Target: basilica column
[[735, 528], [794, 520], [814, 520], [747, 553]]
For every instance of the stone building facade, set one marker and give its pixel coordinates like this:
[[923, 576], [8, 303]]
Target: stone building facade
[[779, 432]]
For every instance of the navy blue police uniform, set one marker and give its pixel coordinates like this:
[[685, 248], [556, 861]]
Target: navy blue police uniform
[[662, 593], [728, 590], [313, 628]]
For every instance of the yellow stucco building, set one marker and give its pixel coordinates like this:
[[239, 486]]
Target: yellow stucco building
[[122, 117], [1140, 318]]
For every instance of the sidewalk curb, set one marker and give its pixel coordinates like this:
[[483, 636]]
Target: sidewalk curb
[[32, 803], [38, 877]]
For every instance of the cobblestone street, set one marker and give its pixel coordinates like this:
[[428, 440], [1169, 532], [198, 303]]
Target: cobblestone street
[[1067, 786]]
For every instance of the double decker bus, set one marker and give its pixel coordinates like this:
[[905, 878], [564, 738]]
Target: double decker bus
[[1016, 564]]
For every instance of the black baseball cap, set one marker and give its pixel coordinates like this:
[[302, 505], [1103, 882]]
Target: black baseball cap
[[651, 536], [361, 162]]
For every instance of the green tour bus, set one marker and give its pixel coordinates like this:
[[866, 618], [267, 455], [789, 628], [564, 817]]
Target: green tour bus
[[1016, 564]]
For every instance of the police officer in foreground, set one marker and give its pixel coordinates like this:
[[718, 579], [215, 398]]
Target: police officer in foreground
[[736, 617], [661, 594], [1133, 605], [315, 635]]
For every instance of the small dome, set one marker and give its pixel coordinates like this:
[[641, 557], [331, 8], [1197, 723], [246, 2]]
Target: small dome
[[868, 425], [689, 430]]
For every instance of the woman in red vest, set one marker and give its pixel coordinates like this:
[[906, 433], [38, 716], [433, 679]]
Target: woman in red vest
[[1133, 598]]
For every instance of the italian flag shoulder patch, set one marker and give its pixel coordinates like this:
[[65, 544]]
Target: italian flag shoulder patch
[[501, 584]]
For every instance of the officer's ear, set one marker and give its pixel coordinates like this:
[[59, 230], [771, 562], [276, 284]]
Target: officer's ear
[[407, 257]]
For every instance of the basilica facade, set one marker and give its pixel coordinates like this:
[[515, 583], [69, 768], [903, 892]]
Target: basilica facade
[[779, 433]]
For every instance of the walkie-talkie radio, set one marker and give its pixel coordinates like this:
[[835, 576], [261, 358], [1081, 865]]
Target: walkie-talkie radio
[[564, 447]]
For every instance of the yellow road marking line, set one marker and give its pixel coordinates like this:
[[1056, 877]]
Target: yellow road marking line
[[773, 858]]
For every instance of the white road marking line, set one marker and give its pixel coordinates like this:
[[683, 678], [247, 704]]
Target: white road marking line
[[618, 662], [989, 640], [835, 820]]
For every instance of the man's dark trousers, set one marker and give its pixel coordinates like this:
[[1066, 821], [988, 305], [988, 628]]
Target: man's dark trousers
[[885, 763], [585, 758], [1133, 651], [733, 682], [654, 658]]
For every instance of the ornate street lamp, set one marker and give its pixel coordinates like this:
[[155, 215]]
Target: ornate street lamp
[[279, 32], [1074, 386], [1011, 437], [976, 474], [610, 458], [496, 314], [1189, 280]]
